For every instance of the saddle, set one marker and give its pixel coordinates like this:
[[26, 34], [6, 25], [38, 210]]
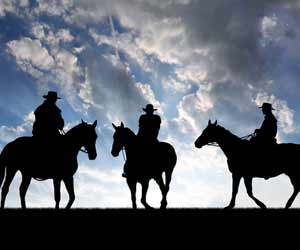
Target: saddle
[[49, 154], [145, 162]]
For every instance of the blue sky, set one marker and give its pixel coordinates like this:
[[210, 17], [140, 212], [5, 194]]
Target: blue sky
[[194, 60]]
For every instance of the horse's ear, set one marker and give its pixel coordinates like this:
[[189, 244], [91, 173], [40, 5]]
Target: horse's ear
[[209, 122], [216, 122], [122, 125], [114, 126], [82, 121], [95, 124]]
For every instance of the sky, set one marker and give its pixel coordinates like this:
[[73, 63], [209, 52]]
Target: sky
[[194, 60]]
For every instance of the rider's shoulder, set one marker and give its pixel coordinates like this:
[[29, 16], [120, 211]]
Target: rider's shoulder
[[58, 109], [272, 118], [157, 117]]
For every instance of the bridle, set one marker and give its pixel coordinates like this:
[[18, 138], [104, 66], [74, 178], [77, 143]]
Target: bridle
[[82, 150]]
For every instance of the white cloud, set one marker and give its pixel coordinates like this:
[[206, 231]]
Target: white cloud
[[175, 86], [125, 42], [282, 110], [17, 7], [56, 65], [192, 72], [53, 7], [31, 51], [148, 94], [65, 35], [268, 25], [9, 133], [44, 33], [6, 6]]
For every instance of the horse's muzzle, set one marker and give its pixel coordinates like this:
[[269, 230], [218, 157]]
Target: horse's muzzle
[[114, 153], [92, 156]]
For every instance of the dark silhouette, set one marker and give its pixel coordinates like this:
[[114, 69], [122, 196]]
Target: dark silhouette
[[142, 165], [149, 125], [48, 119], [35, 161], [266, 135], [247, 161]]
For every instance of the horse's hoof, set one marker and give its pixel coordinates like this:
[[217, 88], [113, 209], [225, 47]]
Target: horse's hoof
[[228, 207], [149, 208], [163, 206]]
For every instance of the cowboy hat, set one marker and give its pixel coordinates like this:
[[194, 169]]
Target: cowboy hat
[[149, 107], [51, 95], [267, 106]]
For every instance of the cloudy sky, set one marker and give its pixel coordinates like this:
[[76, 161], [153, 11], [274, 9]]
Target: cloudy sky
[[193, 59]]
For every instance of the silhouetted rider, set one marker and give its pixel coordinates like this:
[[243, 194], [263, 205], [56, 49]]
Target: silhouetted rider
[[48, 119], [149, 125], [268, 130]]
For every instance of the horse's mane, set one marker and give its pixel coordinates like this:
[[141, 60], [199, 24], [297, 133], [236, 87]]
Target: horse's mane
[[75, 129], [227, 132], [130, 132]]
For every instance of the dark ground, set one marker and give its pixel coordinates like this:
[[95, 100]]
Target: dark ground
[[126, 226]]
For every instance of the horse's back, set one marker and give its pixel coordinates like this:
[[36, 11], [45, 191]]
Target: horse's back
[[16, 145], [36, 158], [265, 160]]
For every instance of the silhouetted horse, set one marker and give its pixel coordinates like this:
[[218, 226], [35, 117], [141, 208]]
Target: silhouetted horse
[[246, 161], [36, 159], [144, 164]]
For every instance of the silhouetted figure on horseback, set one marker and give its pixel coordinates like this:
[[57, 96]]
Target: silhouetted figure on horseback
[[48, 120], [266, 134], [145, 160], [149, 125]]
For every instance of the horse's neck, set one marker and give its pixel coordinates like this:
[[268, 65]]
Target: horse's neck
[[73, 140], [131, 140], [227, 142]]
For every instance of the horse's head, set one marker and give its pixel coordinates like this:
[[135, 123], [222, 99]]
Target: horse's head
[[123, 138], [89, 137], [208, 135], [120, 139]]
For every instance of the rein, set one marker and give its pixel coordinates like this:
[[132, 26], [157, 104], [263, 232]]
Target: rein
[[246, 137], [84, 151]]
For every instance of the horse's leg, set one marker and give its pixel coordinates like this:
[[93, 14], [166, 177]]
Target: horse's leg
[[26, 179], [145, 185], [292, 198], [248, 184], [168, 180], [132, 186], [235, 187], [69, 183], [56, 184], [160, 182], [10, 173]]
